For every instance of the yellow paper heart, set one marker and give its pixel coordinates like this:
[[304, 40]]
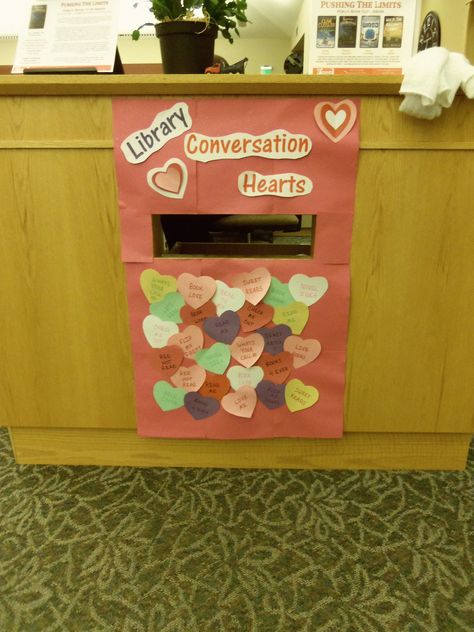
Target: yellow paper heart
[[299, 396], [295, 315], [155, 285]]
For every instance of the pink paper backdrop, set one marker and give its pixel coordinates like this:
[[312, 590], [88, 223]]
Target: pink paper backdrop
[[212, 188], [327, 323]]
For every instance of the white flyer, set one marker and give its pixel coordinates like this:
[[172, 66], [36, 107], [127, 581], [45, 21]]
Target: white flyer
[[361, 37], [67, 34]]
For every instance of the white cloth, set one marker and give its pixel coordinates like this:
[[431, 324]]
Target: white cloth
[[431, 79]]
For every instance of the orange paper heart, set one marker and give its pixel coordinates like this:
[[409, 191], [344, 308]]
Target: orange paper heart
[[215, 386], [277, 367], [166, 360], [196, 316], [303, 351], [196, 290], [253, 284], [241, 403], [253, 317], [247, 350], [191, 340]]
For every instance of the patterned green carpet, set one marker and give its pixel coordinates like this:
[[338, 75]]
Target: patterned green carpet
[[90, 549]]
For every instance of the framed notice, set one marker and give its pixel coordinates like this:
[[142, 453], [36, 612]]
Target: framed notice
[[368, 37], [60, 35]]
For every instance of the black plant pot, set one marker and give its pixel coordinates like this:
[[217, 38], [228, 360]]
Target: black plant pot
[[186, 47]]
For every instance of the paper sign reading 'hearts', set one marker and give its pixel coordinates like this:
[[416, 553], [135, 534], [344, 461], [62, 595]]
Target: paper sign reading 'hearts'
[[155, 285], [277, 367], [307, 290], [278, 295], [191, 378], [253, 317], [166, 360], [196, 316], [169, 180], [157, 331], [199, 406], [274, 338], [271, 395], [227, 298], [240, 376], [241, 403], [215, 359], [299, 396], [190, 340], [223, 328], [168, 308], [294, 315], [215, 386], [335, 120], [196, 290], [247, 350], [303, 351], [253, 284], [167, 397]]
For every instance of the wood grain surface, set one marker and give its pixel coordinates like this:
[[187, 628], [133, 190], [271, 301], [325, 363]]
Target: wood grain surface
[[76, 446]]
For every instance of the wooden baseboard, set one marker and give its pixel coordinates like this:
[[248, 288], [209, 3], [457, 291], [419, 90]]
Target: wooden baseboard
[[382, 451]]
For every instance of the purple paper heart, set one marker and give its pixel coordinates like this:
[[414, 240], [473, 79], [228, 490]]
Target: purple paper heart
[[200, 407], [223, 328], [271, 395], [274, 337]]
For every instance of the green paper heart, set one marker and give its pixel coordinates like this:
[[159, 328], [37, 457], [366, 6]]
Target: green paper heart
[[278, 294], [167, 397], [168, 308], [215, 359]]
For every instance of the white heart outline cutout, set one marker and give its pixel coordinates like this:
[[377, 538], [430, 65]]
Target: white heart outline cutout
[[184, 181], [335, 119]]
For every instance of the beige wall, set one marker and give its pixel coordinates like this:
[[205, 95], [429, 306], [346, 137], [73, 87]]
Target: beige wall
[[453, 15], [7, 50], [259, 51], [147, 50]]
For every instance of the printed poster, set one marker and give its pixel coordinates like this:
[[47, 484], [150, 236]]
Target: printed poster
[[370, 37], [238, 348]]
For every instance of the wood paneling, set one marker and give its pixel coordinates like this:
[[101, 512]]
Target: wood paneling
[[86, 122], [64, 338], [158, 84], [410, 362], [353, 451]]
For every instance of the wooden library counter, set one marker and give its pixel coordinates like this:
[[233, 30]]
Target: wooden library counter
[[66, 385]]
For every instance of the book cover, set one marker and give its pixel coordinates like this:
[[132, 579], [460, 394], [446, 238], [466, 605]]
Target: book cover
[[326, 33], [369, 31], [347, 31], [393, 31]]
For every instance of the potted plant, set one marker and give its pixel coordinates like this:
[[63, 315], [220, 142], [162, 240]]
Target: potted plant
[[187, 30]]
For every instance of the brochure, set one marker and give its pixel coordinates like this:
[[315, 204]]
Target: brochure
[[59, 35]]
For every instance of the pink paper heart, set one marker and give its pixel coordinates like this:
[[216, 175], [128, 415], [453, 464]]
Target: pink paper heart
[[191, 340], [247, 349], [335, 120], [196, 290], [191, 378], [241, 403], [303, 351], [170, 180], [253, 284]]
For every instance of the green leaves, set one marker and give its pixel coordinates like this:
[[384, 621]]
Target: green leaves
[[225, 14]]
